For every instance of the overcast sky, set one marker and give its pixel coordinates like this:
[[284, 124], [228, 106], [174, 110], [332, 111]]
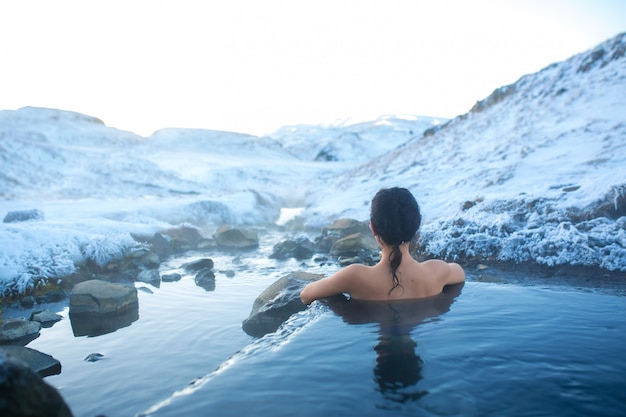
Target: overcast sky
[[254, 65]]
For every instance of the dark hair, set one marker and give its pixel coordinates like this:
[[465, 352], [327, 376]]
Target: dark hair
[[395, 216]]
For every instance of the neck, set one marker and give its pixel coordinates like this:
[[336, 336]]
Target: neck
[[386, 250]]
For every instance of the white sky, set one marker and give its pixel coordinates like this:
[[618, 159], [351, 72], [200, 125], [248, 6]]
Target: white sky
[[254, 65]]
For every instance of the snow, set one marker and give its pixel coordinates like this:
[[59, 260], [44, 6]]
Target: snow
[[534, 172]]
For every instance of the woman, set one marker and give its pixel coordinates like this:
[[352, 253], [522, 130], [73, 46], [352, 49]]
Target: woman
[[394, 220]]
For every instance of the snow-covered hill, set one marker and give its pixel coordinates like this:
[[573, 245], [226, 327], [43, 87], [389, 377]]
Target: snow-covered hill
[[534, 172]]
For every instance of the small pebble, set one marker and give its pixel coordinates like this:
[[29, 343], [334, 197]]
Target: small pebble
[[94, 357]]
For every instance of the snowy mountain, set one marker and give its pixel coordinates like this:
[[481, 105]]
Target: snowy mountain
[[534, 172]]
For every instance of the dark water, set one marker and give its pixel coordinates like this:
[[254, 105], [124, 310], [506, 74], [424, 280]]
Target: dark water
[[488, 350], [500, 350]]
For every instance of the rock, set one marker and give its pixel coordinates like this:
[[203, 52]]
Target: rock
[[345, 227], [24, 393], [148, 261], [299, 248], [353, 244], [94, 357], [23, 216], [46, 317], [54, 296], [229, 237], [101, 297], [160, 244], [205, 279], [339, 229], [195, 266], [19, 331], [149, 276], [44, 365], [171, 277], [277, 303], [188, 234], [28, 301]]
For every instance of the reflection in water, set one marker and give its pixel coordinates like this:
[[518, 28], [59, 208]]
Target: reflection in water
[[91, 324], [398, 367]]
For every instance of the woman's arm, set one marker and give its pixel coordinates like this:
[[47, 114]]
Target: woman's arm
[[338, 283]]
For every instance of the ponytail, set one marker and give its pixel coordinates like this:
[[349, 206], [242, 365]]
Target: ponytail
[[395, 259]]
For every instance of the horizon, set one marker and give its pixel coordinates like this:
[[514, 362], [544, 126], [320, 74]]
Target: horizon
[[253, 67]]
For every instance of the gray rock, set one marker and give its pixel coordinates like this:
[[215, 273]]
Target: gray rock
[[340, 229], [101, 297], [277, 303], [28, 301], [204, 263], [205, 279], [149, 276], [353, 244], [46, 317], [229, 237], [44, 365], [174, 277], [24, 393], [19, 331], [299, 248], [94, 357], [23, 216]]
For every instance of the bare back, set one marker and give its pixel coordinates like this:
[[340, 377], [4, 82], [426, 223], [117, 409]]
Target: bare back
[[416, 280]]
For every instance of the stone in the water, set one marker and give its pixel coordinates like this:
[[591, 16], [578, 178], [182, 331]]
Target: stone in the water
[[149, 276], [194, 266], [353, 244], [277, 303], [229, 237], [19, 331], [99, 307], [44, 365], [174, 277], [46, 317], [205, 279], [340, 229], [299, 248], [94, 357], [101, 297], [24, 393]]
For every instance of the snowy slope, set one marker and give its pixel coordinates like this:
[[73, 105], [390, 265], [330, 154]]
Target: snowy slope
[[536, 171]]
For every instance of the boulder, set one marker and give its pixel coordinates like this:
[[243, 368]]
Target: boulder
[[229, 237], [205, 279], [24, 393], [19, 331], [339, 229], [149, 276], [46, 317], [354, 244], [101, 297], [23, 216], [173, 277], [200, 264], [299, 248], [44, 365], [277, 303]]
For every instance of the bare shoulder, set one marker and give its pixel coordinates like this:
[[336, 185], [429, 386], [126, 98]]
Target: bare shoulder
[[447, 272], [342, 281]]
